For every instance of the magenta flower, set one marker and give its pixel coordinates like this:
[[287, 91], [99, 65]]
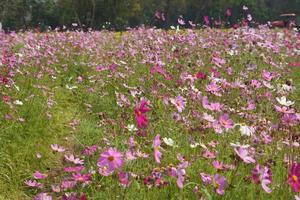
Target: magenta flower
[[124, 179], [84, 178], [220, 184], [225, 121], [109, 161], [294, 177], [179, 102], [263, 176], [140, 114], [156, 146], [206, 20], [39, 175], [244, 154]]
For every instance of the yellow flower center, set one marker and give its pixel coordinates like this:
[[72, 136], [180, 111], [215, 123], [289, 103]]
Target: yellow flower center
[[295, 178]]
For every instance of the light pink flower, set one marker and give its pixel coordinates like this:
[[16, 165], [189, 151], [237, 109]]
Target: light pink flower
[[156, 146], [73, 159], [225, 121], [179, 102], [33, 183], [109, 161], [263, 176], [57, 148], [244, 154]]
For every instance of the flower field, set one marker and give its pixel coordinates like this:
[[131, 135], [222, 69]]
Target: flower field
[[150, 114]]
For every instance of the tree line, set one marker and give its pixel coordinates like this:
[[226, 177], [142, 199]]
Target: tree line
[[120, 14]]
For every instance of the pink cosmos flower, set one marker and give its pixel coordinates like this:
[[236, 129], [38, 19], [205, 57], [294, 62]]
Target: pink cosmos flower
[[179, 102], [289, 119], [221, 184], [84, 178], [74, 169], [218, 165], [124, 179], [211, 106], [213, 88], [268, 76], [228, 12], [140, 114], [255, 83], [57, 148], [201, 75], [294, 177], [156, 146], [262, 175], [206, 20], [226, 122], [244, 154], [206, 178], [33, 183], [55, 188], [43, 196], [90, 150], [284, 109], [67, 184], [159, 69], [39, 175], [109, 161], [181, 21], [73, 159], [209, 154]]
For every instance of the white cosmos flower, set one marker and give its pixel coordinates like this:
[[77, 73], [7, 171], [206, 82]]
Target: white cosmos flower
[[247, 130], [194, 145], [18, 102], [131, 127], [283, 101], [168, 141]]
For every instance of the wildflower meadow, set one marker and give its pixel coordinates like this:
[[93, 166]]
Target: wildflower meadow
[[150, 114]]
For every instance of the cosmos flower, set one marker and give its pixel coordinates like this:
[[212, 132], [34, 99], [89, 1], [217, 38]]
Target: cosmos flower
[[283, 101], [225, 121], [220, 184], [109, 161], [179, 102], [168, 141], [140, 114], [43, 196], [262, 175], [156, 146], [74, 169], [39, 175], [84, 178], [244, 154], [294, 177], [124, 179], [57, 148], [33, 183], [73, 159]]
